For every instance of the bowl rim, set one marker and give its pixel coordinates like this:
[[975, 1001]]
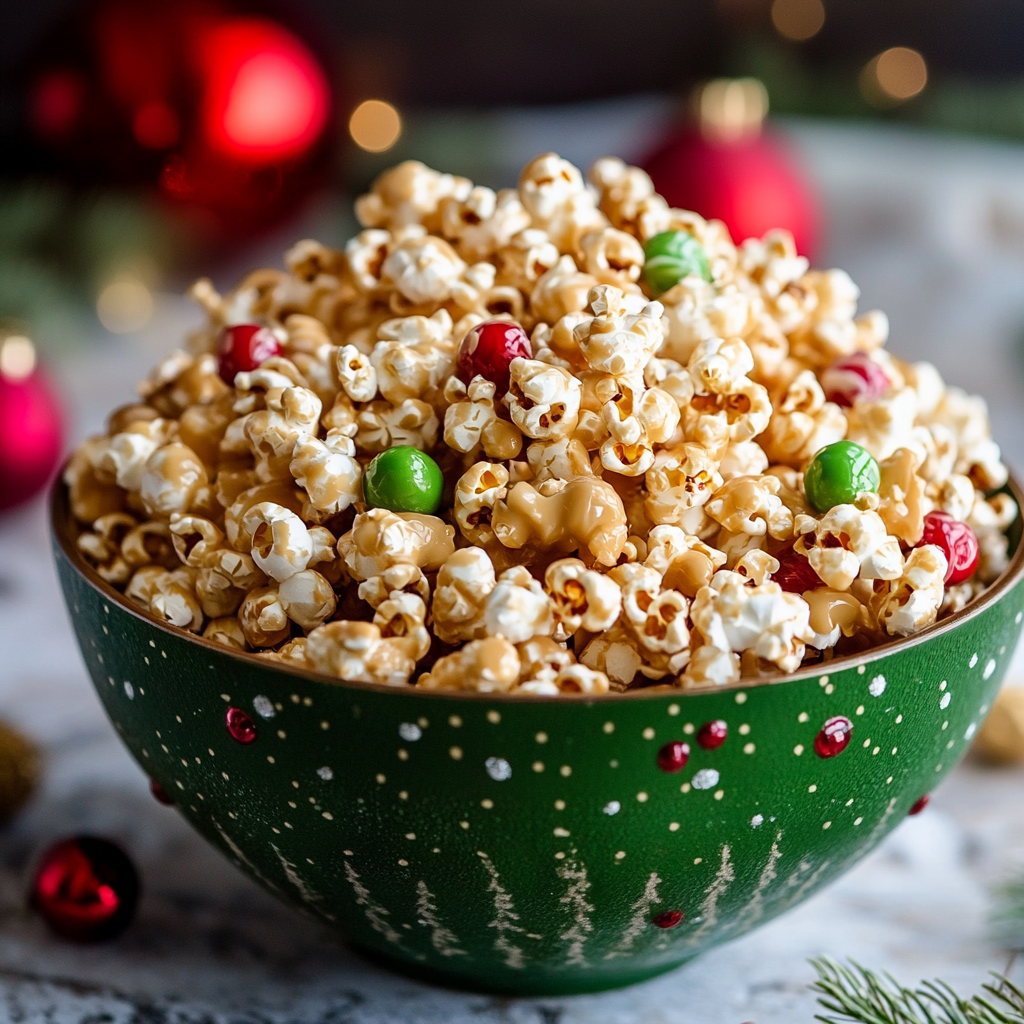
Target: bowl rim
[[65, 530]]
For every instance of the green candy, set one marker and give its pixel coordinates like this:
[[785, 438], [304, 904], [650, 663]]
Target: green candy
[[671, 256], [404, 479], [838, 473]]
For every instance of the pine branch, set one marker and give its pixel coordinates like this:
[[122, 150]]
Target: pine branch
[[861, 996]]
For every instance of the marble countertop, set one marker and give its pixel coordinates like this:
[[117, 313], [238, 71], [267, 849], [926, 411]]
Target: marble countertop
[[208, 947]]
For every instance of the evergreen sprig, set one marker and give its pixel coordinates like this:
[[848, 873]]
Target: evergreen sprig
[[856, 994]]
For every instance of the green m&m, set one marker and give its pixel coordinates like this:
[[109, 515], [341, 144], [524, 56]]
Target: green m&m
[[404, 479], [838, 473], [671, 256]]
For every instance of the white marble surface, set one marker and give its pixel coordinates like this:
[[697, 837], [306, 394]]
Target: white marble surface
[[928, 228]]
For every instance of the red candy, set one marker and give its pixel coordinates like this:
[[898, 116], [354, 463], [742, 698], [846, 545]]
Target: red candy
[[673, 756], [243, 348], [919, 804], [86, 889], [159, 793], [834, 737], [795, 574], [241, 727], [957, 542], [854, 378], [667, 919], [487, 351], [711, 735]]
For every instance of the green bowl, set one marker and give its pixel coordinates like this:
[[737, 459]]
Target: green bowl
[[535, 845]]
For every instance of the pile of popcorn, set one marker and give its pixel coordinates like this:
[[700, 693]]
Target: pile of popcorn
[[623, 470]]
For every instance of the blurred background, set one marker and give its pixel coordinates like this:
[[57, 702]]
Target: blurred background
[[146, 143]]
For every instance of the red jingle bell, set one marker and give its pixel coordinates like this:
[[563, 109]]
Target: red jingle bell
[[957, 542], [86, 889], [242, 348], [488, 350], [31, 432]]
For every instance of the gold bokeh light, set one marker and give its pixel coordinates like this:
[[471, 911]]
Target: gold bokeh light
[[17, 357], [125, 305], [894, 76], [798, 20], [375, 126]]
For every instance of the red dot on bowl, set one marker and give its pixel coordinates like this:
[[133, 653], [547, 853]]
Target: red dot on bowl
[[711, 735], [159, 793], [673, 756], [834, 737], [920, 804], [667, 919], [241, 727]]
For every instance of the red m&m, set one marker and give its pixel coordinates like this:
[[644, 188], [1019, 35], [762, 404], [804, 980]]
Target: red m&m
[[956, 541], [488, 350], [854, 378], [242, 348]]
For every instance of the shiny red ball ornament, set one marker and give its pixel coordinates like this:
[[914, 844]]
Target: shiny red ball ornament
[[711, 735], [668, 919], [753, 184], [673, 756], [86, 888], [159, 793], [919, 804], [31, 429], [242, 348], [834, 737], [241, 728], [795, 574], [957, 541], [854, 378], [488, 350]]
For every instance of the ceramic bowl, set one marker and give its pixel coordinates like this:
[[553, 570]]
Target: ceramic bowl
[[538, 845]]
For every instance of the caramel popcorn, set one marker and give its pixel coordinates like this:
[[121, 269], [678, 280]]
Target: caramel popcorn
[[624, 477]]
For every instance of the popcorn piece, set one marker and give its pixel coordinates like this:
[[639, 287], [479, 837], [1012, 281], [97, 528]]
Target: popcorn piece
[[587, 513], [281, 544], [471, 422], [382, 425], [543, 400], [292, 413], [464, 583], [623, 334], [582, 598], [614, 654], [483, 222], [733, 616], [476, 494], [517, 608], [560, 291], [680, 478], [685, 563], [912, 601], [149, 544], [307, 598], [356, 652], [657, 618], [171, 479], [226, 631], [751, 505], [173, 600], [572, 679], [380, 539], [195, 539], [356, 373], [834, 612], [846, 543], [901, 494], [423, 270], [803, 423], [88, 496], [222, 584], [328, 470], [710, 666], [487, 666], [410, 193], [102, 548], [263, 618]]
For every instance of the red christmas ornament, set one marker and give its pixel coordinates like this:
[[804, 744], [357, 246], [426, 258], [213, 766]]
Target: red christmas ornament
[[673, 756], [488, 350], [86, 888], [834, 737], [711, 735], [159, 793], [795, 574], [957, 541], [31, 432], [725, 167], [667, 919], [919, 804], [241, 727], [854, 378], [242, 348]]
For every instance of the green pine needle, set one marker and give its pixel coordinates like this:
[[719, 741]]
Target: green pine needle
[[859, 995]]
